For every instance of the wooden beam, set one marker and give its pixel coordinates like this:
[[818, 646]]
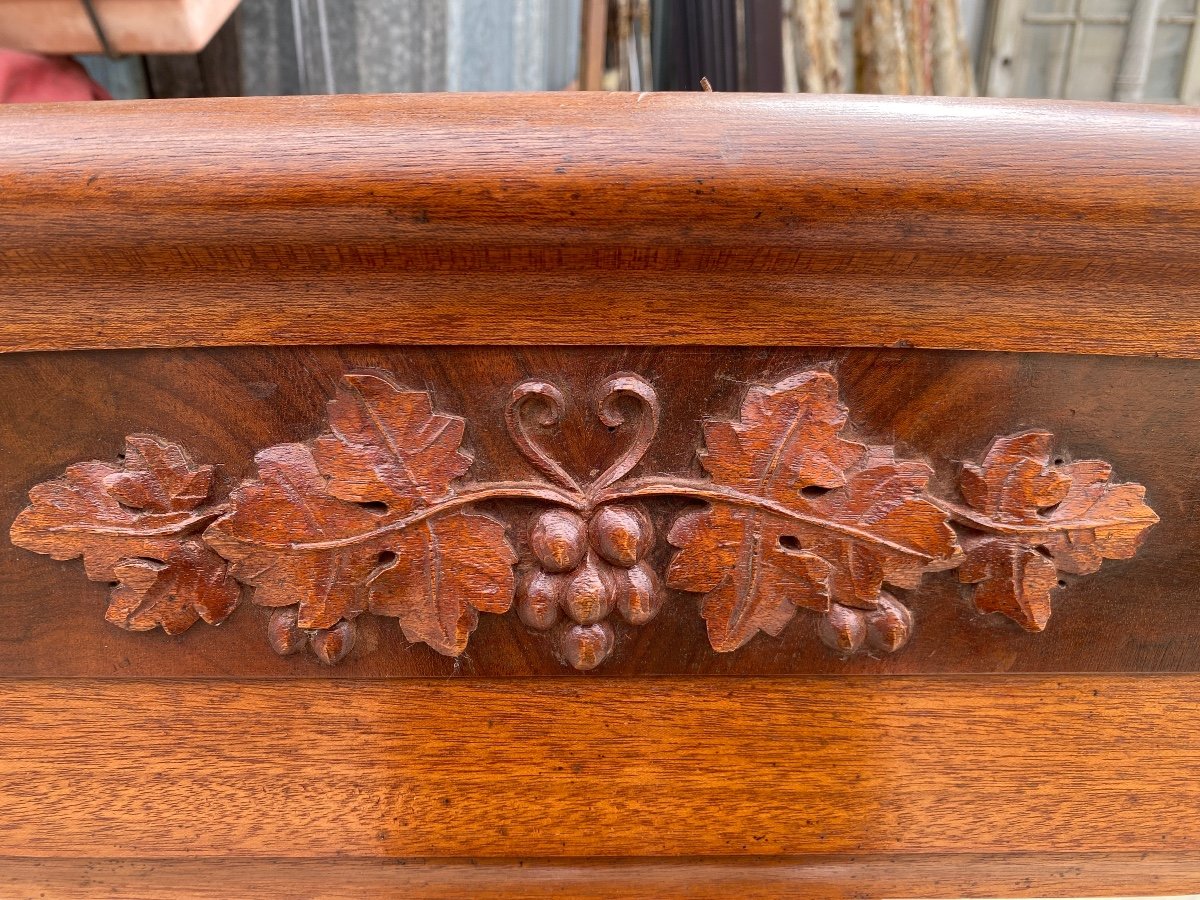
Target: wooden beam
[[596, 218], [611, 767], [954, 875]]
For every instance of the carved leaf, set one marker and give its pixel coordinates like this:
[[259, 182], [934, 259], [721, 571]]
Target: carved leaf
[[294, 543], [1097, 520], [446, 570], [1015, 480], [1072, 512], [388, 445], [751, 580], [809, 518], [159, 477], [788, 438], [1012, 579], [884, 498], [194, 582], [354, 524], [131, 525]]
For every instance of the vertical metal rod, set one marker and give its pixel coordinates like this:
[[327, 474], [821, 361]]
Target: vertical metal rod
[[1130, 83], [326, 49], [298, 40], [98, 28]]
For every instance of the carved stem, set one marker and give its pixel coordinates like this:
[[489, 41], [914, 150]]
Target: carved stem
[[678, 487], [704, 490], [179, 526], [494, 490], [552, 405], [634, 386], [964, 515]]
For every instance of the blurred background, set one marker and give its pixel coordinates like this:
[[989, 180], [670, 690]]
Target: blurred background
[[1078, 49]]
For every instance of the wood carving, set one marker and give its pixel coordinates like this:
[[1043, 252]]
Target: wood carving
[[367, 519], [801, 517], [138, 527], [378, 515], [1038, 518]]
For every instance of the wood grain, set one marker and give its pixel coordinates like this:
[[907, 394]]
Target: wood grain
[[848, 877], [558, 767], [378, 516], [602, 218], [458, 239], [938, 408], [136, 526]]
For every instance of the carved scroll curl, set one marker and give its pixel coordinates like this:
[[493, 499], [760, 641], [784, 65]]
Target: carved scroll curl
[[377, 517]]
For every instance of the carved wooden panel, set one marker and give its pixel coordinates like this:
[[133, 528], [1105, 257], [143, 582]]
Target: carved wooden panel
[[309, 404], [382, 514]]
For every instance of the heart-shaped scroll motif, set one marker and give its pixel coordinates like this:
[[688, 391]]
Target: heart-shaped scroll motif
[[546, 402], [377, 516], [543, 403]]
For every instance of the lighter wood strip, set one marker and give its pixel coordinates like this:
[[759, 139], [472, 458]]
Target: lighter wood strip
[[817, 877], [612, 767]]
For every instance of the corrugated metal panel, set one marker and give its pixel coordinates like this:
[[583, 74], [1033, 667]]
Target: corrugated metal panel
[[368, 46]]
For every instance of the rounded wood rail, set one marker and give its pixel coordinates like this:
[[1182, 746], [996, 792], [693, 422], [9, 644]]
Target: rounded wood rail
[[602, 218]]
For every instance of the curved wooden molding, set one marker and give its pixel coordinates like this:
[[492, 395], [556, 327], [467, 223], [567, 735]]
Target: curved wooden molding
[[379, 515], [601, 218]]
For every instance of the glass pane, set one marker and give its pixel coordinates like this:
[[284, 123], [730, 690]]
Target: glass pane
[[1107, 7], [1050, 6], [1166, 62], [1039, 60], [1179, 8], [1096, 65]]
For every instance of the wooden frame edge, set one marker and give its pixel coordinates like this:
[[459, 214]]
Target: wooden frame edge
[[601, 219]]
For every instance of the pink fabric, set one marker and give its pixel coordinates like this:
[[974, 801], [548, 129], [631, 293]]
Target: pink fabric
[[32, 78]]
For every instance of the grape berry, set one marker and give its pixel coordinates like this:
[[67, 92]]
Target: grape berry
[[585, 569], [886, 628]]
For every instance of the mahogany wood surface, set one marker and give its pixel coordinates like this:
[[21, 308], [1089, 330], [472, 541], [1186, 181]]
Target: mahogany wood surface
[[940, 408], [555, 767], [829, 877], [601, 218], [189, 283]]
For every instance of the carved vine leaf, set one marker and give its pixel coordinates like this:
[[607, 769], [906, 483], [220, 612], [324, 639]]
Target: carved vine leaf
[[371, 518], [446, 570], [138, 526], [366, 520], [295, 543], [801, 516], [389, 446], [1044, 518], [751, 580]]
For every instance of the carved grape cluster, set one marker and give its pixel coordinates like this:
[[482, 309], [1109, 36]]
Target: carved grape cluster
[[585, 567], [329, 645], [885, 628], [373, 517]]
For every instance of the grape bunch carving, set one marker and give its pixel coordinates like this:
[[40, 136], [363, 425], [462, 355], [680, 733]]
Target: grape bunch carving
[[589, 556], [378, 516], [585, 568]]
